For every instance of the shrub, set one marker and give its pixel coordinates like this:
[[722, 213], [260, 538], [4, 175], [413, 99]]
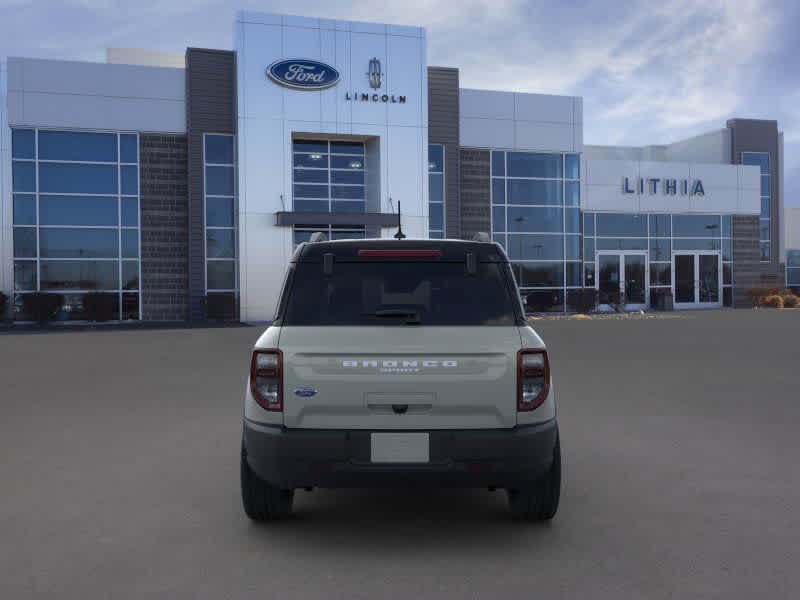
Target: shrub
[[3, 306], [790, 300], [99, 306], [773, 301], [41, 306]]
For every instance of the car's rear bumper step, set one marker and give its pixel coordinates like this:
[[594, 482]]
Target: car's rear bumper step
[[296, 458]]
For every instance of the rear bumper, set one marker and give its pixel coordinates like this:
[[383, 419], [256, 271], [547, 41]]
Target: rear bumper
[[292, 458]]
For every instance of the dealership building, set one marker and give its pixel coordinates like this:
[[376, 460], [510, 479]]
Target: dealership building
[[181, 183]]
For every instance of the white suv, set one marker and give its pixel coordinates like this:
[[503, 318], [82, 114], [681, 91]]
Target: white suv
[[400, 363]]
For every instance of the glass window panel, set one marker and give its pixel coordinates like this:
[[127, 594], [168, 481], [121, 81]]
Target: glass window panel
[[660, 226], [498, 191], [23, 176], [128, 148], [24, 209], [542, 274], [130, 274], [621, 243], [310, 146], [695, 244], [347, 148], [347, 235], [219, 181], [660, 274], [311, 175], [348, 206], [77, 210], [77, 179], [79, 275], [588, 224], [588, 249], [130, 307], [500, 238], [572, 191], [660, 249], [765, 208], [310, 191], [78, 243], [535, 247], [543, 300], [727, 226], [696, 225], [78, 146], [219, 149], [220, 243], [129, 183], [311, 205], [588, 274], [498, 218], [541, 220], [793, 277], [130, 212], [25, 242], [793, 258], [532, 164], [763, 229], [435, 235], [435, 158], [727, 273], [347, 192], [315, 161], [358, 177], [765, 185], [436, 216], [727, 249], [573, 166], [573, 274], [572, 220], [498, 163], [221, 274], [572, 246], [527, 191], [25, 275], [727, 297], [130, 243], [436, 187], [765, 250], [219, 212], [759, 159], [622, 225], [23, 143], [342, 162]]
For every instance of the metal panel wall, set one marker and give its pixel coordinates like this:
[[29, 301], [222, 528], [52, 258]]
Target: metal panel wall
[[443, 128], [475, 196]]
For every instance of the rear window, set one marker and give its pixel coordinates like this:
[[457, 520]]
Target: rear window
[[399, 293]]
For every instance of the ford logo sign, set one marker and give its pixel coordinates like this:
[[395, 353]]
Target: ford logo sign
[[305, 392], [303, 74]]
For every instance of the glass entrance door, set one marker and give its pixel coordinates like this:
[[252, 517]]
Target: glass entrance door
[[622, 280], [697, 280]]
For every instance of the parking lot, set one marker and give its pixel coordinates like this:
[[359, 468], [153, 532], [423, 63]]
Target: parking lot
[[681, 440]]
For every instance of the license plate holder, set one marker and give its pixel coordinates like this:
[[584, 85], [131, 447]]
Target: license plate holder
[[396, 447]]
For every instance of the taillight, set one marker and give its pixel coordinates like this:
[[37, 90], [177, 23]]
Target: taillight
[[266, 378], [533, 379]]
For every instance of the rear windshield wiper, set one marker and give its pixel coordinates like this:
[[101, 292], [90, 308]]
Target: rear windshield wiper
[[412, 315]]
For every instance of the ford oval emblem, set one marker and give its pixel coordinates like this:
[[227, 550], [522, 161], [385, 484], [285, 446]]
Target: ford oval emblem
[[303, 74], [305, 392]]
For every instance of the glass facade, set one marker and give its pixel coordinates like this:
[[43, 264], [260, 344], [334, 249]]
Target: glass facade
[[536, 218], [793, 268], [76, 218], [436, 191], [328, 176], [761, 160], [221, 222]]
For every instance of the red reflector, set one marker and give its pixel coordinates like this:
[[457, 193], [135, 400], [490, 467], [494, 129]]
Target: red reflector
[[400, 253]]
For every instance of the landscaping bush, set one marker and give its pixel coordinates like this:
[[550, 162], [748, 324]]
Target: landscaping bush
[[773, 301], [790, 301], [41, 306], [3, 306], [758, 295], [99, 306]]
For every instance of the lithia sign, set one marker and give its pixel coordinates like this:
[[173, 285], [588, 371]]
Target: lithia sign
[[306, 74], [669, 187]]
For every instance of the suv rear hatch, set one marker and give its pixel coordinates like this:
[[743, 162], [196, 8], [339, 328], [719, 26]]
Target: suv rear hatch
[[423, 336]]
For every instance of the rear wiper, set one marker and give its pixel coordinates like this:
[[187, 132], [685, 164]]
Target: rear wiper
[[413, 315]]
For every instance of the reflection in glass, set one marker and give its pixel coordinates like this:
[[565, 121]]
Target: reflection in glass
[[221, 274], [78, 243], [531, 164], [77, 146], [77, 210], [25, 242], [67, 178], [220, 243], [621, 225], [25, 275], [24, 209], [80, 275], [219, 149]]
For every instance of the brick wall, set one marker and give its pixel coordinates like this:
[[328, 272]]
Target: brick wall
[[475, 197], [165, 227]]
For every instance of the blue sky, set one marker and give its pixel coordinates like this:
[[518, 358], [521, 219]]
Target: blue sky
[[649, 72]]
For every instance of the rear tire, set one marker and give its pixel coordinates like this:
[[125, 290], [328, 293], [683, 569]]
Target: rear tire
[[262, 501], [538, 501]]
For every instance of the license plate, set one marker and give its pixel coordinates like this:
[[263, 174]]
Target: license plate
[[400, 448]]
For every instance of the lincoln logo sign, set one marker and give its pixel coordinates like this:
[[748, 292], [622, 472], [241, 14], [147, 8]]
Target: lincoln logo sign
[[670, 187], [302, 74]]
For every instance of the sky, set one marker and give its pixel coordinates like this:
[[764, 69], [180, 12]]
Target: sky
[[649, 72]]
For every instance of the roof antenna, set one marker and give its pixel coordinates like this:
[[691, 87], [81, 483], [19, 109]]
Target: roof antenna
[[399, 235]]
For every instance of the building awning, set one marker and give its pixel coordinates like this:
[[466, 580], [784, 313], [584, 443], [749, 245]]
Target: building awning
[[287, 219]]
